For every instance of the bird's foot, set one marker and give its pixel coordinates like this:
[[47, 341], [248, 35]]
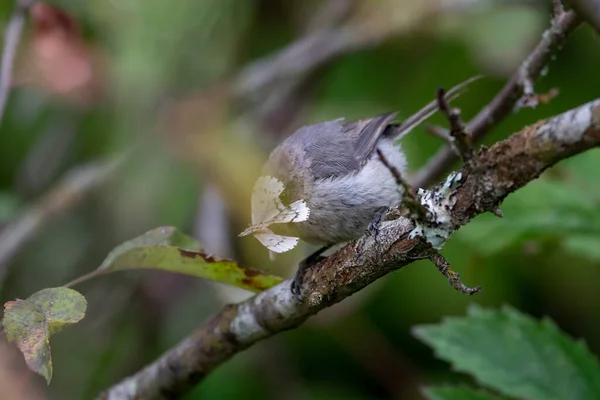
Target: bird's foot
[[304, 265], [373, 227]]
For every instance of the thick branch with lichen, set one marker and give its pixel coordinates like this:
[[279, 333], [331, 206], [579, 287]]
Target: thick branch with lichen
[[499, 171]]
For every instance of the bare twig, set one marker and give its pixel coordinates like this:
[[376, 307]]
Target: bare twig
[[461, 139], [75, 185], [505, 101], [501, 170], [453, 277], [409, 198], [12, 36]]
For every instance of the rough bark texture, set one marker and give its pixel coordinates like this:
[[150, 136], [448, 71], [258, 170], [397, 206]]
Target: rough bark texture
[[481, 186]]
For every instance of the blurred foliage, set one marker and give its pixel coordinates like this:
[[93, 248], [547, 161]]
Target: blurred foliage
[[165, 96]]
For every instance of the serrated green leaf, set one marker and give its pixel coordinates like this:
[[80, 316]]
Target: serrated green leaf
[[30, 323], [457, 393], [516, 355], [167, 249]]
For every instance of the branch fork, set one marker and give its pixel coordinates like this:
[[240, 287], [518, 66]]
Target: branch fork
[[429, 214], [459, 137]]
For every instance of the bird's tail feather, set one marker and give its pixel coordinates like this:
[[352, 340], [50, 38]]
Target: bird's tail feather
[[428, 110]]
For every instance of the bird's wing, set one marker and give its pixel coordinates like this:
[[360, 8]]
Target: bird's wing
[[336, 148], [369, 134], [328, 149]]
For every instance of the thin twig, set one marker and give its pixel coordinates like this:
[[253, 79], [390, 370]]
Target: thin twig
[[504, 102], [12, 36], [461, 139], [453, 277], [409, 198], [84, 278]]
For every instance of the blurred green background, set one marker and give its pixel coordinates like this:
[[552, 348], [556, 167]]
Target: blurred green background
[[180, 99]]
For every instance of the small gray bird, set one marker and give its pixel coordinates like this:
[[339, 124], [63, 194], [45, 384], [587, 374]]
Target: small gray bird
[[325, 183]]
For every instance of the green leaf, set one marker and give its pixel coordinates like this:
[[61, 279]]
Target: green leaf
[[61, 306], [456, 393], [168, 249], [516, 355], [165, 236], [30, 323]]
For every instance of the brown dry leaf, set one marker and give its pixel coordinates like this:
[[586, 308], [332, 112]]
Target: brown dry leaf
[[57, 61]]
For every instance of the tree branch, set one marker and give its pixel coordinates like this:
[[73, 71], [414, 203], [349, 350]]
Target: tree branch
[[520, 84], [12, 36], [476, 188], [460, 138]]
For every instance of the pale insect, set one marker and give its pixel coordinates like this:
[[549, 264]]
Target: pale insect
[[267, 209]]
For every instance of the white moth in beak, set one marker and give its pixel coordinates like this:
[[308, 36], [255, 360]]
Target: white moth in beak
[[267, 209]]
